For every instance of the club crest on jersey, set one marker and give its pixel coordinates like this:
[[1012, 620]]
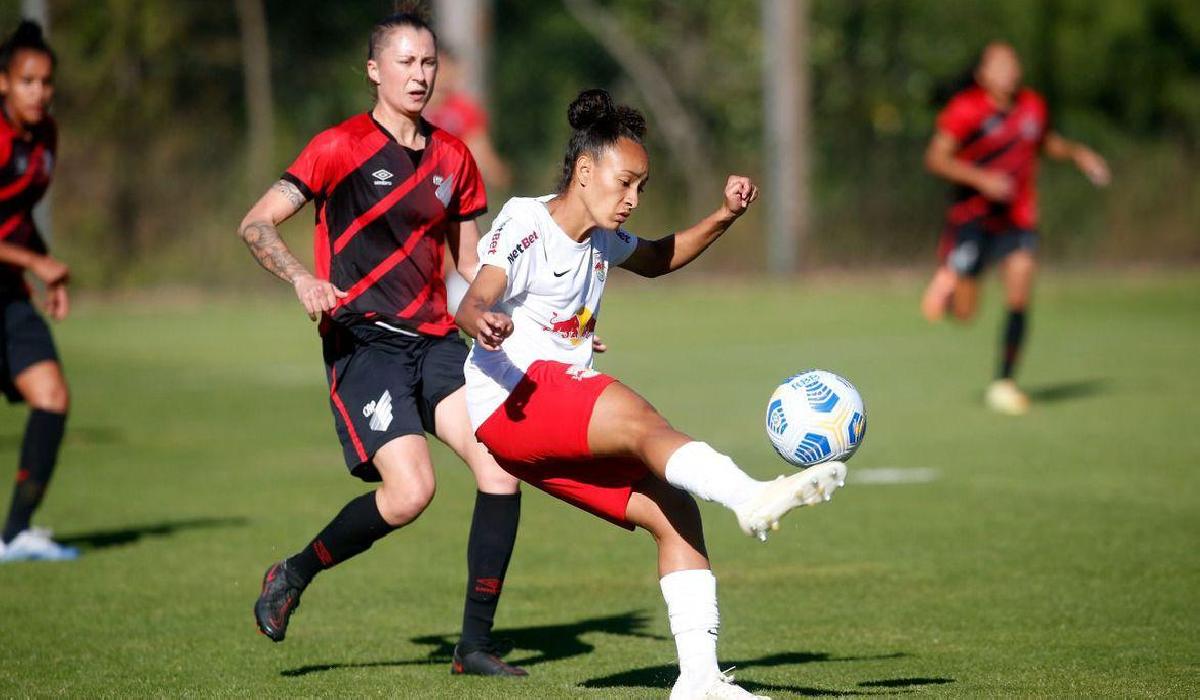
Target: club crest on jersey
[[1029, 129], [380, 412], [382, 177], [599, 266], [444, 187]]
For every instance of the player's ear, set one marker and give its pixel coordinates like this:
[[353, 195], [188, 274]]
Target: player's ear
[[3, 82], [583, 169], [373, 71]]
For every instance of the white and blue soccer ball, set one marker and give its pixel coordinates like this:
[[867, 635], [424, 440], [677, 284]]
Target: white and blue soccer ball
[[816, 416]]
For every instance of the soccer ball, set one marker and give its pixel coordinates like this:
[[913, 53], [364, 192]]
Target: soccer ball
[[816, 416]]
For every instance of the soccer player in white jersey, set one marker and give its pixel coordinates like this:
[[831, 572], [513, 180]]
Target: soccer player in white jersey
[[581, 436]]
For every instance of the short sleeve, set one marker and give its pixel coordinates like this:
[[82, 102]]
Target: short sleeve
[[621, 245], [470, 196], [959, 118], [310, 171], [507, 246]]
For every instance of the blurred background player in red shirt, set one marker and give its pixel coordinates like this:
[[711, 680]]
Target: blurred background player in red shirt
[[987, 144], [31, 370]]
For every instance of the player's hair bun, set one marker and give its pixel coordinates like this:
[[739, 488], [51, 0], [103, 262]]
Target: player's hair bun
[[590, 107], [598, 123], [27, 35]]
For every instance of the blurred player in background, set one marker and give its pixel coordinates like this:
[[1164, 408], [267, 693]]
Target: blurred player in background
[[987, 144], [31, 370], [580, 435], [391, 193]]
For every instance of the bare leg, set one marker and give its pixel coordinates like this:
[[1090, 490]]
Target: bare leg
[[938, 294], [966, 298]]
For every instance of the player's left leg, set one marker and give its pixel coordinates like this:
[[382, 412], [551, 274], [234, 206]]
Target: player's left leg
[[1017, 271], [490, 543], [670, 516], [623, 424], [939, 293]]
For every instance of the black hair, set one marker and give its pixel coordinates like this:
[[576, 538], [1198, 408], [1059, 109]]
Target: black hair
[[27, 36], [597, 124], [412, 16]]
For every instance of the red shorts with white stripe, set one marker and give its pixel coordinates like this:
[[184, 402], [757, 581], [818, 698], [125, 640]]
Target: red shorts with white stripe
[[539, 435]]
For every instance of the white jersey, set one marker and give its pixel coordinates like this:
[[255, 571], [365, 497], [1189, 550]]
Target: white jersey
[[553, 296]]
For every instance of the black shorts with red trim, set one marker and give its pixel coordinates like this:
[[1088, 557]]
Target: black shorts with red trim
[[971, 248], [25, 340], [385, 384]]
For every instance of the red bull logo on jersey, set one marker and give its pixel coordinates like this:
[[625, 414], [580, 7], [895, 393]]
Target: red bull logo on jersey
[[573, 329]]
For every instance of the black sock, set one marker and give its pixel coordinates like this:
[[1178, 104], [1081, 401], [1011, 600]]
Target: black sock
[[39, 452], [1014, 336], [351, 532], [493, 533]]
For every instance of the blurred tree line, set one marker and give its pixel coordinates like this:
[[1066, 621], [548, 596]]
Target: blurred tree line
[[157, 131]]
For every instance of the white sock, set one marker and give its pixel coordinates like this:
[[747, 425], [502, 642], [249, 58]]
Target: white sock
[[708, 474], [692, 609]]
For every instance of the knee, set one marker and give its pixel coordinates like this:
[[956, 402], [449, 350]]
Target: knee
[[401, 504], [52, 397]]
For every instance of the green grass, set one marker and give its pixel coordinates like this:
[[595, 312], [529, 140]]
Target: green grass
[[1056, 554]]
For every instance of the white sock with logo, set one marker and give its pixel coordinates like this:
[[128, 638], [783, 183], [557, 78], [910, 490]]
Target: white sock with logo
[[702, 471], [692, 609]]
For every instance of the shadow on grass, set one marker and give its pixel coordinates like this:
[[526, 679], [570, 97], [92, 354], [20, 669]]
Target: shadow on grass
[[1066, 391], [904, 682], [664, 675], [119, 537], [546, 642]]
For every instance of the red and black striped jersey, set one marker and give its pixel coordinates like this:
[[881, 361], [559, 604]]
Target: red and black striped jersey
[[26, 164], [1005, 140], [382, 213]]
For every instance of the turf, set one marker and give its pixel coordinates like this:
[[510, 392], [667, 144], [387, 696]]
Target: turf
[[1054, 554]]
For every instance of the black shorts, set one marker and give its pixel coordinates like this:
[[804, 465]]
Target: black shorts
[[25, 340], [385, 384], [969, 249]]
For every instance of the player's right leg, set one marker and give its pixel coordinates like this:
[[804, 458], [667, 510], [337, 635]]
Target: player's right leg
[[32, 374], [408, 487], [1017, 269], [623, 424], [688, 587]]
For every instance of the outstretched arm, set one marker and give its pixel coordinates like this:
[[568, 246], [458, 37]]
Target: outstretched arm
[[475, 316], [1090, 163], [654, 258], [262, 238]]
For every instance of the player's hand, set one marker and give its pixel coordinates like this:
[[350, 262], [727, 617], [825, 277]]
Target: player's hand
[[57, 303], [317, 295], [492, 327], [49, 270], [598, 345], [996, 186], [740, 192], [1093, 166]]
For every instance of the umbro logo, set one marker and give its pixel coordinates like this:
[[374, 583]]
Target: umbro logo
[[382, 177]]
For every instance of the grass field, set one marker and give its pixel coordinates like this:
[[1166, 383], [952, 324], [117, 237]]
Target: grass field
[[1055, 554]]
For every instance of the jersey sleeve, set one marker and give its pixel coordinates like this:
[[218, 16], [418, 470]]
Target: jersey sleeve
[[310, 171], [470, 196], [621, 245], [959, 118], [508, 246]]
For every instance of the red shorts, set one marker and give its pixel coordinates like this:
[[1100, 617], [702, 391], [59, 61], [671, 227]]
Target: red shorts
[[539, 435]]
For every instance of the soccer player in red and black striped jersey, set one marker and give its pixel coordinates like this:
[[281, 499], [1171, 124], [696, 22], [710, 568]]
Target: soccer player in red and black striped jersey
[[988, 140], [29, 366], [391, 193]]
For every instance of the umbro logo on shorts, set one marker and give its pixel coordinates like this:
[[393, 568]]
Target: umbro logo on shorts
[[380, 412], [382, 177]]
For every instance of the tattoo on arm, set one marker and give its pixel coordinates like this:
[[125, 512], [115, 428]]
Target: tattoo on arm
[[272, 253], [293, 193]]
